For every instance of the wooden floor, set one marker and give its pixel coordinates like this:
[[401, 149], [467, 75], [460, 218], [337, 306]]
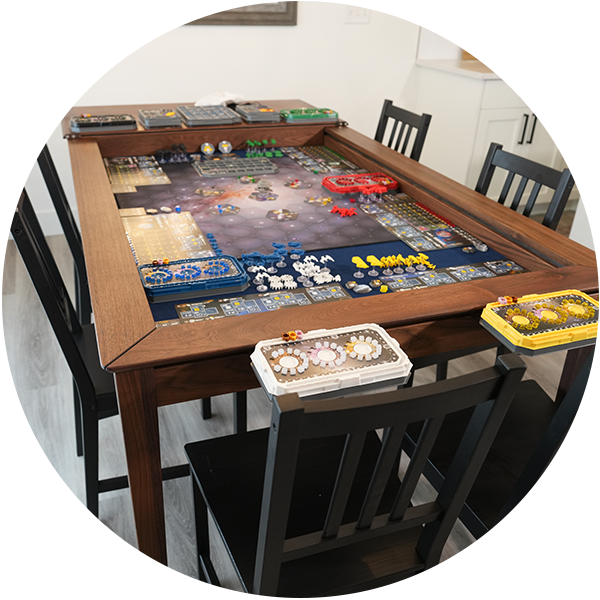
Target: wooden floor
[[47, 552]]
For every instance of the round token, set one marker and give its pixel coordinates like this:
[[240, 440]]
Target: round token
[[166, 209], [376, 283], [225, 147], [351, 285], [207, 148], [152, 211], [575, 310], [468, 249], [520, 320]]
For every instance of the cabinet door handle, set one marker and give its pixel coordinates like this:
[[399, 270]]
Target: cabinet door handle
[[532, 130], [524, 129]]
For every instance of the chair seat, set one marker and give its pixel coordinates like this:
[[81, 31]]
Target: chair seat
[[103, 381], [230, 476], [525, 423]]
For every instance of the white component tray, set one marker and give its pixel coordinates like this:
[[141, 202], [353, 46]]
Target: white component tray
[[325, 361]]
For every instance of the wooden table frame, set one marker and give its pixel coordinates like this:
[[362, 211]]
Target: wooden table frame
[[161, 366]]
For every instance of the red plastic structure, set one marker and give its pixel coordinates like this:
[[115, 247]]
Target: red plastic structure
[[365, 183]]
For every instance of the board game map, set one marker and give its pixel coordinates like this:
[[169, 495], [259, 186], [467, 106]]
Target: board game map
[[288, 205], [173, 235]]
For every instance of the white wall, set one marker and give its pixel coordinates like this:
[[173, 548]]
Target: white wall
[[443, 21], [325, 61]]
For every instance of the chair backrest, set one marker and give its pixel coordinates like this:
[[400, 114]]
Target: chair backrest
[[490, 391], [50, 287], [528, 170], [70, 230], [408, 121], [542, 475]]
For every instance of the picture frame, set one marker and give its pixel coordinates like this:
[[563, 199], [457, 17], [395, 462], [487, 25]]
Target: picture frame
[[159, 12]]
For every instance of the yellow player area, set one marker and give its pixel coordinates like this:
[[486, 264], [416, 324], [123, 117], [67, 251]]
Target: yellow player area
[[393, 261]]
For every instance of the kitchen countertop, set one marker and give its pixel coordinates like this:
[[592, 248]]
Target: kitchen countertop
[[494, 69]]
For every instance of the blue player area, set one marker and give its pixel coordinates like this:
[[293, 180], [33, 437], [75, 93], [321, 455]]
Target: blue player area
[[448, 263]]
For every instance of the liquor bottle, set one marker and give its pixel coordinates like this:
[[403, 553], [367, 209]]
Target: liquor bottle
[[543, 44], [557, 48]]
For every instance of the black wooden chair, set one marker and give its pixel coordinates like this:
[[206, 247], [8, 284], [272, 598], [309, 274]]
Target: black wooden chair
[[71, 231], [539, 487], [313, 505], [95, 387], [528, 170], [408, 121]]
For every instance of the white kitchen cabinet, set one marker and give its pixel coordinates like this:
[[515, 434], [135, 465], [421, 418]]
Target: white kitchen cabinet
[[583, 131], [472, 107]]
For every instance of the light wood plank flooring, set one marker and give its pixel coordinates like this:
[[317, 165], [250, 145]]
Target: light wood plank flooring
[[47, 552]]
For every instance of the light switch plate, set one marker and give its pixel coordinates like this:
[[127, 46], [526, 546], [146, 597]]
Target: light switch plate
[[358, 12]]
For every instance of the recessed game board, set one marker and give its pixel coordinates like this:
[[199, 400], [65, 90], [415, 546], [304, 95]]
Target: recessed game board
[[126, 173], [174, 236]]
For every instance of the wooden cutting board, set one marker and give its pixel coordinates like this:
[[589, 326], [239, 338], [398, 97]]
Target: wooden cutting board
[[482, 24]]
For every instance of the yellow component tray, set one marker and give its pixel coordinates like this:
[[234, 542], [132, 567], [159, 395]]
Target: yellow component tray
[[541, 323]]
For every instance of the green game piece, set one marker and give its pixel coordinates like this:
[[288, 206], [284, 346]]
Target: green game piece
[[273, 142], [269, 154]]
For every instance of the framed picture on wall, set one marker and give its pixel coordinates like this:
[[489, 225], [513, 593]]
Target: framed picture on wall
[[160, 12]]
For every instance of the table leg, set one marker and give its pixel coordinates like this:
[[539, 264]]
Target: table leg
[[137, 405], [576, 357]]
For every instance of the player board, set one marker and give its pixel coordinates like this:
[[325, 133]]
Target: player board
[[321, 363], [308, 115], [258, 113], [257, 303], [100, 123], [159, 117], [541, 323], [126, 173], [235, 167], [417, 226], [195, 116], [448, 275], [174, 236]]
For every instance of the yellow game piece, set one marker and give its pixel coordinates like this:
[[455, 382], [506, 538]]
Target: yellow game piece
[[383, 289], [359, 262], [374, 261]]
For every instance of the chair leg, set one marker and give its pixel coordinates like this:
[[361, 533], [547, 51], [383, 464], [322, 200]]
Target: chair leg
[[240, 412], [78, 423], [441, 371], [90, 455], [206, 571], [206, 408]]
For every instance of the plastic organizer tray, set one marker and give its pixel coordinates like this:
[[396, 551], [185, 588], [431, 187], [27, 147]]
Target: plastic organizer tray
[[540, 323], [323, 362], [193, 278]]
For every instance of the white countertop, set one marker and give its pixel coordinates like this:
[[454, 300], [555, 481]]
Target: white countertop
[[495, 69]]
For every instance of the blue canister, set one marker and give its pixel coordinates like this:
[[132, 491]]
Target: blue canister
[[526, 54]]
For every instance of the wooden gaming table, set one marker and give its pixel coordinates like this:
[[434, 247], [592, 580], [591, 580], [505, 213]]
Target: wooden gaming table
[[158, 366]]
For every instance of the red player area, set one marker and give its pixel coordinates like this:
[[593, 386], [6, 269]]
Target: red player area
[[365, 183]]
